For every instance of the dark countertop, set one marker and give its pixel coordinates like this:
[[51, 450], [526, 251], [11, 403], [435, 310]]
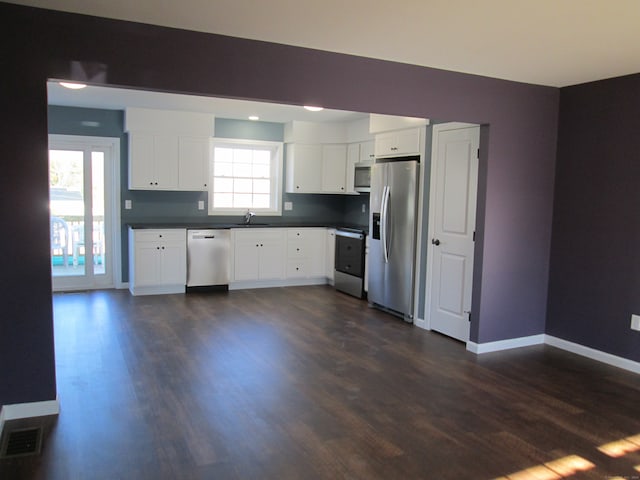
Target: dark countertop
[[213, 225]]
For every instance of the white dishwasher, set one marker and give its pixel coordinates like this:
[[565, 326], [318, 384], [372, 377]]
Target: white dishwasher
[[208, 262]]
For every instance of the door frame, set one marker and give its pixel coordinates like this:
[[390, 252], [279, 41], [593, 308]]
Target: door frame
[[437, 128], [113, 225]]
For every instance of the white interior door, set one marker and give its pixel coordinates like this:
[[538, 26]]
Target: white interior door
[[81, 183], [454, 180]]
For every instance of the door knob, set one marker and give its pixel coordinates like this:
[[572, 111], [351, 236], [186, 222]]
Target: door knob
[[435, 241]]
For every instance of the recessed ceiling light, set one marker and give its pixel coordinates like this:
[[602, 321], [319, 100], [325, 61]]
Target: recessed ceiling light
[[311, 108], [73, 85], [254, 118]]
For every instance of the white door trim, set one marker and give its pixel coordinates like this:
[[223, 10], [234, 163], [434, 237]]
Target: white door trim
[[419, 222], [437, 128], [113, 144]]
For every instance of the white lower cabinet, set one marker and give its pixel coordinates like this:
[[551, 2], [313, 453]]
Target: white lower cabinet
[[157, 261], [306, 252], [330, 261], [266, 257], [258, 254]]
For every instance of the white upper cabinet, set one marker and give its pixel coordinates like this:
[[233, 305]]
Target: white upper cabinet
[[153, 162], [316, 168], [353, 157], [401, 142], [386, 123], [304, 168], [168, 150], [367, 151], [334, 168], [193, 163]]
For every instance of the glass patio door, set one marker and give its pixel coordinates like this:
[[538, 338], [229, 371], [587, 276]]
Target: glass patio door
[[79, 187]]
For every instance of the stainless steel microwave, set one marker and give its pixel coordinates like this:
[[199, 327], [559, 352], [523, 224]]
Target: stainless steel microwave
[[362, 177]]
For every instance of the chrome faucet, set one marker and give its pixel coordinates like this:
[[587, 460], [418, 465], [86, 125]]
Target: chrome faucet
[[247, 217]]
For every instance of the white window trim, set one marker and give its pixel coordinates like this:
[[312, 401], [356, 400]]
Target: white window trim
[[277, 183]]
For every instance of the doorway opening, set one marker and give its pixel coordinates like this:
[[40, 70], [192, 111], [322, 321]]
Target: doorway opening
[[83, 173]]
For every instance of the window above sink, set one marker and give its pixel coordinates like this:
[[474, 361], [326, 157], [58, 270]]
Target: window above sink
[[245, 175]]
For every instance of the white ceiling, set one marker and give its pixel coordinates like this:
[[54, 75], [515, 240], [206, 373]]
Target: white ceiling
[[545, 42], [120, 98]]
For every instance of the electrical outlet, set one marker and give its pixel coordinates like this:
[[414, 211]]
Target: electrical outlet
[[127, 204], [635, 322], [288, 205], [200, 204], [364, 208]]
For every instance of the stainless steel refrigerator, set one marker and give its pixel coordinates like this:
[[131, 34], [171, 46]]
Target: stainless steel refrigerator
[[392, 230]]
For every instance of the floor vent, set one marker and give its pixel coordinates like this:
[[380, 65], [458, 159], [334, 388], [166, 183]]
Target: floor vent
[[22, 442]]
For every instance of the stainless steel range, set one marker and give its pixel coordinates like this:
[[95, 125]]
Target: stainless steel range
[[349, 262]]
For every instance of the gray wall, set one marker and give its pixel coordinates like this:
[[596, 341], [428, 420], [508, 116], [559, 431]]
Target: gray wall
[[517, 161]]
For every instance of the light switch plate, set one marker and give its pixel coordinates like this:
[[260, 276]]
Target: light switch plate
[[288, 205], [127, 204], [200, 204], [635, 322]]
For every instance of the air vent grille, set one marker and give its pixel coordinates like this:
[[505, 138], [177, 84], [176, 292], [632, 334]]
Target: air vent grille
[[22, 442]]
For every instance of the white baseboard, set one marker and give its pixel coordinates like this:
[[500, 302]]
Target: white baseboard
[[285, 282], [479, 348], [157, 290], [421, 323], [593, 354], [18, 411], [576, 348]]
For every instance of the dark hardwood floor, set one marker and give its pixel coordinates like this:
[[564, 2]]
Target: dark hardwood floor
[[308, 383]]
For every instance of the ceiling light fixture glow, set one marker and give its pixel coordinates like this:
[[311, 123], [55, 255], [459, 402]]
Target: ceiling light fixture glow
[[73, 85], [254, 118], [311, 108]]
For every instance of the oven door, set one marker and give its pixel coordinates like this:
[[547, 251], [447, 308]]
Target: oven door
[[349, 263]]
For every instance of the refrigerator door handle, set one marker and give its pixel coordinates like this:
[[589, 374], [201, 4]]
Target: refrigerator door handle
[[384, 222]]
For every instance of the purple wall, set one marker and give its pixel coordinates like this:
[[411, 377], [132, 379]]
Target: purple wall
[[516, 169], [594, 284]]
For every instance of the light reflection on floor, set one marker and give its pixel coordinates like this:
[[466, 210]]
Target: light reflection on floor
[[570, 465], [621, 447], [561, 468]]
